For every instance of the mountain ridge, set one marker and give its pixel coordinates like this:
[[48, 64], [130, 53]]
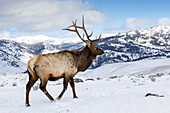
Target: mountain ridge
[[150, 43]]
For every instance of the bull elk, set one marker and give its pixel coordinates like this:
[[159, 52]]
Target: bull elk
[[64, 64]]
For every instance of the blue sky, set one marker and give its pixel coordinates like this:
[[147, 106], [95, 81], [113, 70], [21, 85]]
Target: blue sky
[[117, 11], [48, 17]]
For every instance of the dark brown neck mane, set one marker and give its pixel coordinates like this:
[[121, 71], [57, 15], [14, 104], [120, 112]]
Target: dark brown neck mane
[[85, 58]]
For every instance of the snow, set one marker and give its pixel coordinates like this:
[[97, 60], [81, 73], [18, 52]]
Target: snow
[[108, 35], [123, 93], [43, 38], [131, 33], [129, 68], [9, 69], [148, 37]]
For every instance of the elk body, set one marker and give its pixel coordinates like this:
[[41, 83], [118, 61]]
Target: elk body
[[64, 64]]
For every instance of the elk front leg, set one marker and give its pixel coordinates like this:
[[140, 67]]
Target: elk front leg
[[73, 87], [65, 84]]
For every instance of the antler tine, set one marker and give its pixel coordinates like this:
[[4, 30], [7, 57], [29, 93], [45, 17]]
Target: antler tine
[[75, 22], [91, 34], [69, 29], [70, 26], [97, 39], [83, 21]]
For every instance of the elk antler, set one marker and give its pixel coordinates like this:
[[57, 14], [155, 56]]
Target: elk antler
[[74, 25], [84, 29]]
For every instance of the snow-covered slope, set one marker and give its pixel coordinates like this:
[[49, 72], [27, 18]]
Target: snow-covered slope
[[155, 37], [14, 55], [145, 67], [117, 88]]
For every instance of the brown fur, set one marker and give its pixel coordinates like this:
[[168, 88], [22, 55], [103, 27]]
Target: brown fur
[[53, 66]]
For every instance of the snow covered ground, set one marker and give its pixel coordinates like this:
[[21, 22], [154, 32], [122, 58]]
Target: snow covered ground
[[117, 88]]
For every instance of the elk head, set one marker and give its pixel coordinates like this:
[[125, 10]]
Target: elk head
[[94, 50]]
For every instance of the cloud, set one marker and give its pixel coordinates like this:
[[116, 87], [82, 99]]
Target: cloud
[[45, 15], [133, 23], [4, 35], [163, 21]]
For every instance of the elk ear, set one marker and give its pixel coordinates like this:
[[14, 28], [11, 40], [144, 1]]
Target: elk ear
[[88, 43]]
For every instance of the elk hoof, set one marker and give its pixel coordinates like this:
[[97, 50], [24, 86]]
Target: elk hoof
[[58, 98], [27, 105], [75, 97]]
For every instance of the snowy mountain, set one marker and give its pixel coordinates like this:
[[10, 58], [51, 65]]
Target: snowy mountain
[[157, 37], [130, 46], [14, 55], [135, 45]]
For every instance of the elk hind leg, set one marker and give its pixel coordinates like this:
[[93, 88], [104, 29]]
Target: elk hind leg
[[29, 85], [43, 88]]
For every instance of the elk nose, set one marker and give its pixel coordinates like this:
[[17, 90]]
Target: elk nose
[[102, 52]]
